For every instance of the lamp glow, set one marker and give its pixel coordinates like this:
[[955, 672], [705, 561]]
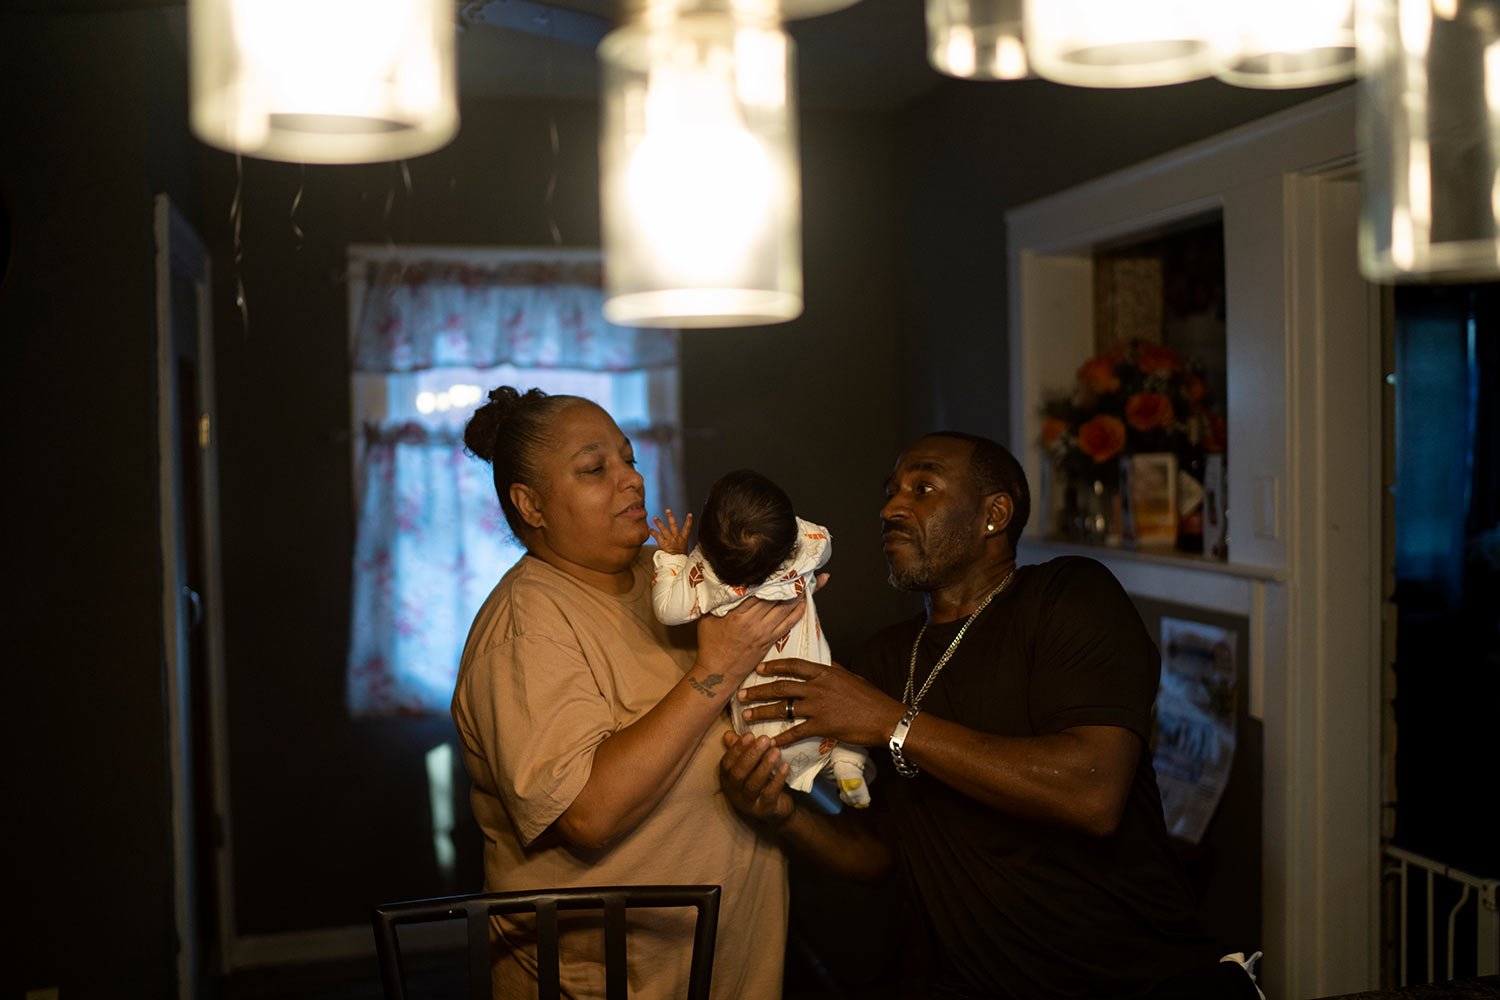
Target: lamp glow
[[1285, 43], [1429, 131], [977, 39], [319, 81], [1106, 43], [700, 195]]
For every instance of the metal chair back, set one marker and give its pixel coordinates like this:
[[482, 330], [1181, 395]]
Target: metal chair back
[[477, 908]]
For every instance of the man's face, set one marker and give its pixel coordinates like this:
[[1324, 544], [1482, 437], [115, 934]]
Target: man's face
[[932, 524]]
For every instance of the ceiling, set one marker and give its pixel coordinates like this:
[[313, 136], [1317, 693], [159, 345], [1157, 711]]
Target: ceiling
[[868, 56]]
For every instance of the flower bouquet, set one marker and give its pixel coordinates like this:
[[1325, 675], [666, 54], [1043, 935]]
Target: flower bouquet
[[1138, 398]]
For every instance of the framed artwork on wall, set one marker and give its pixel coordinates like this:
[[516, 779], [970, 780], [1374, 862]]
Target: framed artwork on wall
[[1153, 499]]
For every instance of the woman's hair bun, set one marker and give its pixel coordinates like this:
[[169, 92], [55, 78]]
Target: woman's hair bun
[[483, 428]]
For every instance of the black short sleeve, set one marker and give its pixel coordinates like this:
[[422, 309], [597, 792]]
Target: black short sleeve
[[1097, 666]]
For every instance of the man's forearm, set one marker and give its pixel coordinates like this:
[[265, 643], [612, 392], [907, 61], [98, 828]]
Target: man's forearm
[[847, 844], [1078, 778]]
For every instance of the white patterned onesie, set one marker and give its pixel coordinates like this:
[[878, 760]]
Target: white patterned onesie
[[684, 587]]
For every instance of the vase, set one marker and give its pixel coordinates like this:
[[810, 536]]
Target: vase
[[1087, 511], [1094, 511]]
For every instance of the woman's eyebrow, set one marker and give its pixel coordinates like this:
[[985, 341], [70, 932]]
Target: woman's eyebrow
[[588, 448]]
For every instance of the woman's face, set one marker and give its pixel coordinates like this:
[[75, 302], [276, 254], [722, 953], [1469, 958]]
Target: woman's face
[[591, 501]]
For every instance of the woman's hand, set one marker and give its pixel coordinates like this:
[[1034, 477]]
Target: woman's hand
[[753, 777], [827, 700], [731, 646], [669, 537]]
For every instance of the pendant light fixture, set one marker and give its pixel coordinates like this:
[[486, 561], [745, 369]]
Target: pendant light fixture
[[700, 183], [1284, 43], [977, 39], [319, 81], [1110, 43], [1429, 129]]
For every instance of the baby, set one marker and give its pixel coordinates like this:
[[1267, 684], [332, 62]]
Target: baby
[[751, 544]]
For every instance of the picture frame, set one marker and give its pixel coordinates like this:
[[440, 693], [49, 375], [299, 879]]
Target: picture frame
[[1152, 499]]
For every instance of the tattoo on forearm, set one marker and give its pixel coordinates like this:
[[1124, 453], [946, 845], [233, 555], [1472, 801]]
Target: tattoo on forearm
[[708, 685]]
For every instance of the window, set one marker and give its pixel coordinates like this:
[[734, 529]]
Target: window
[[432, 332]]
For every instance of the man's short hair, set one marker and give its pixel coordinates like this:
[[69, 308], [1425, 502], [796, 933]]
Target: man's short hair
[[995, 470]]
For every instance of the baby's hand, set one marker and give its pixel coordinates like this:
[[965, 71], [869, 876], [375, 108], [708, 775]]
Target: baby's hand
[[669, 537]]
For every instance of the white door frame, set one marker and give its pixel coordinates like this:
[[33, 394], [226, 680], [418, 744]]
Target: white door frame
[[1331, 690]]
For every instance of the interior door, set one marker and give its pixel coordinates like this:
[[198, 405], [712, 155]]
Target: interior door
[[190, 601]]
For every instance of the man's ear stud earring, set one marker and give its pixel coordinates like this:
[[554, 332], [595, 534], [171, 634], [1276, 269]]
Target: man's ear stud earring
[[989, 527]]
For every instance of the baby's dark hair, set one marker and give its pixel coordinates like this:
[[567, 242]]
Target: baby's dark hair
[[748, 527], [510, 432]]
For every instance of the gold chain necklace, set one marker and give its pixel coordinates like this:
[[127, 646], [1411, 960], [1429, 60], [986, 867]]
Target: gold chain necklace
[[911, 670]]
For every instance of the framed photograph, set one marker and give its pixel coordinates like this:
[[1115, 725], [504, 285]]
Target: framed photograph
[[1194, 732], [1153, 499]]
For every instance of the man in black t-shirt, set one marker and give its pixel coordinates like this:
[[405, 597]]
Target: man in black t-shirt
[[1021, 807]]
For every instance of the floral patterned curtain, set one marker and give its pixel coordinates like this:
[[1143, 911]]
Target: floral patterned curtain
[[532, 315], [431, 540]]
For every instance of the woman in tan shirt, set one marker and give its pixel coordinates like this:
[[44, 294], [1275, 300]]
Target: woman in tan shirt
[[591, 731]]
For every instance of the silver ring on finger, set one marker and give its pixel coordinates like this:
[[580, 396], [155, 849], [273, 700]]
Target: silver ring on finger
[[788, 714]]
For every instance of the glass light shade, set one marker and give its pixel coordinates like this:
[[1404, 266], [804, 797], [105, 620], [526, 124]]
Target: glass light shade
[[1429, 132], [700, 192], [1111, 43], [1284, 43], [319, 81], [977, 39]]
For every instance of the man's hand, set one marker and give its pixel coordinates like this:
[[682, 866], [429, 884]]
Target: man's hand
[[827, 700], [753, 777], [733, 645], [669, 537]]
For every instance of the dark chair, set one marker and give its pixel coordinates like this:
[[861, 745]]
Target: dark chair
[[477, 908]]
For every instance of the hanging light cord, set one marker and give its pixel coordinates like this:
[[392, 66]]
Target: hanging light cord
[[297, 201], [236, 215]]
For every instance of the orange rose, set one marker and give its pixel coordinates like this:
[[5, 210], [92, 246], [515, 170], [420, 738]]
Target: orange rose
[[1098, 375], [1154, 359], [1052, 429], [1148, 410], [1102, 438], [1194, 389]]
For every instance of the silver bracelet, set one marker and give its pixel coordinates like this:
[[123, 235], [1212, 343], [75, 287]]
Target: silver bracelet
[[904, 767]]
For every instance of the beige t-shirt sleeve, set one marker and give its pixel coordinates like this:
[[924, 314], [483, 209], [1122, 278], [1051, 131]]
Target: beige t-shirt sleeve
[[539, 715]]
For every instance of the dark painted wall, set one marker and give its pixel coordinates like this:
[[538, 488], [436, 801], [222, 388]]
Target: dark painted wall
[[91, 127]]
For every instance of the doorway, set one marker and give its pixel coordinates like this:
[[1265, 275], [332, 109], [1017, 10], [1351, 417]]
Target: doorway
[[193, 661], [1442, 625]]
